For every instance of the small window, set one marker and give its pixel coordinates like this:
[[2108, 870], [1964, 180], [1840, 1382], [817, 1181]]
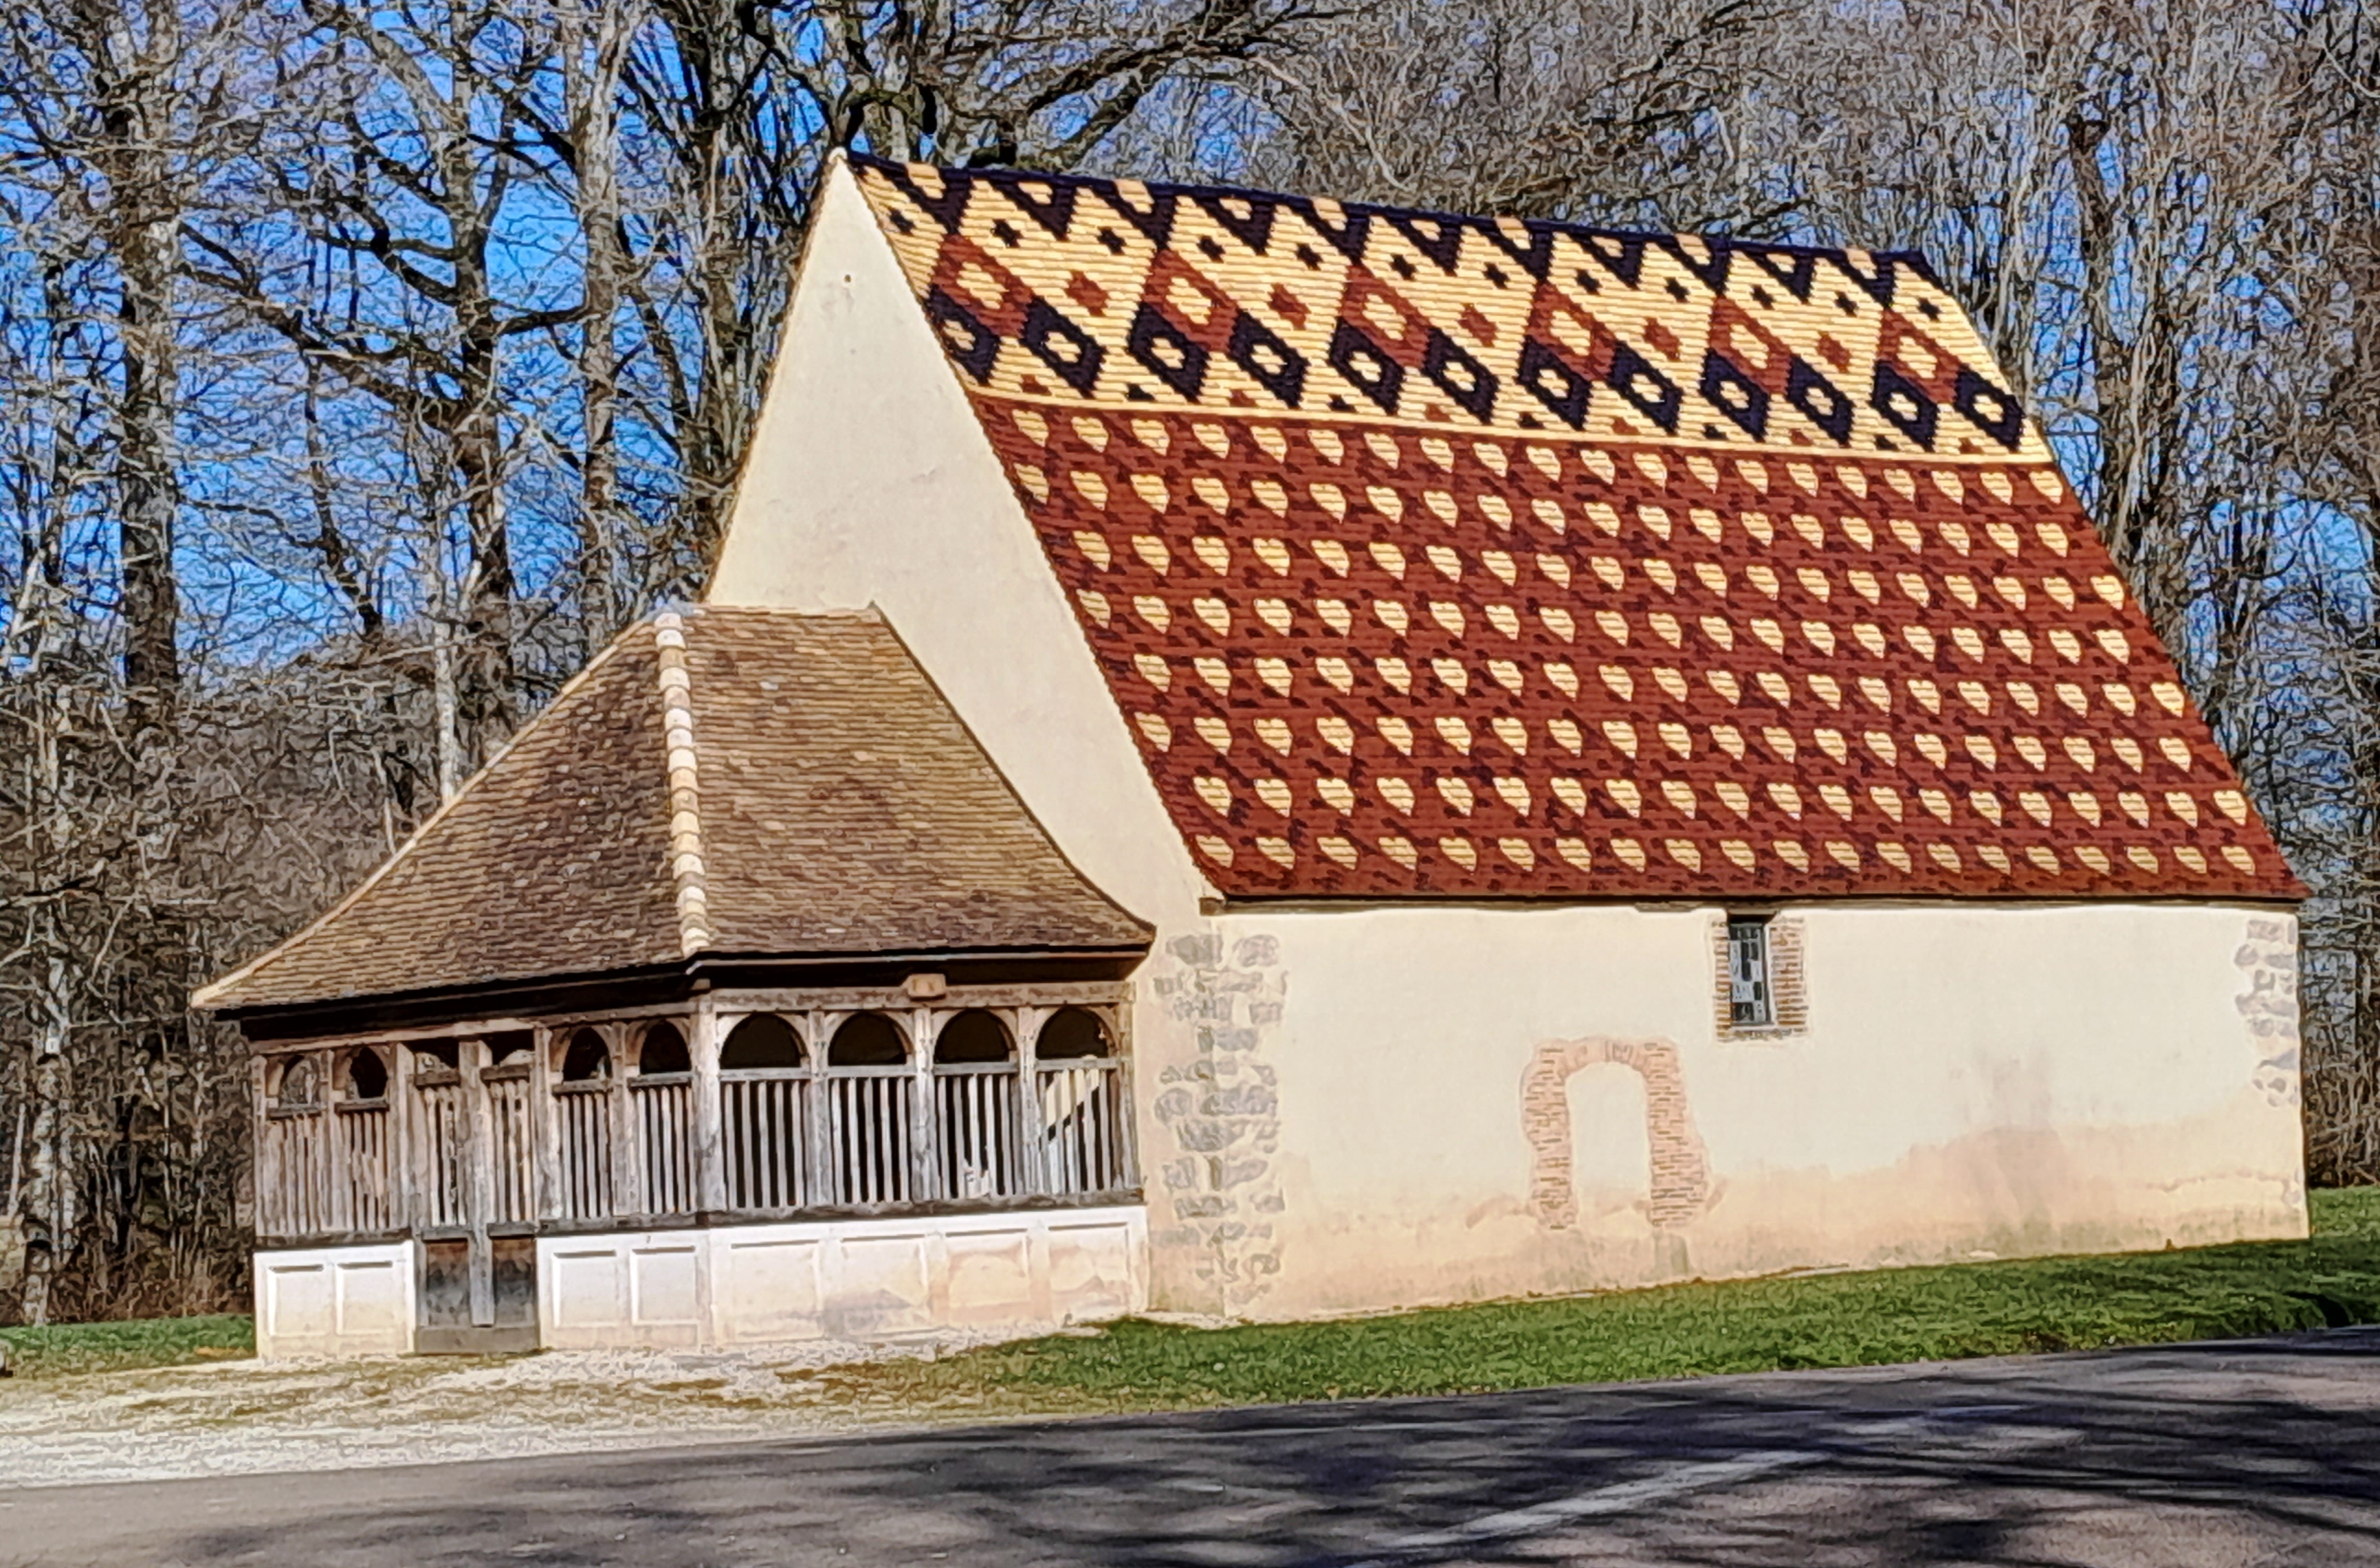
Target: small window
[[509, 1045], [1751, 1005]]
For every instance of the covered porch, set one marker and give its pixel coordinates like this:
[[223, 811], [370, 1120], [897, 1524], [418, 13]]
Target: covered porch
[[467, 1170]]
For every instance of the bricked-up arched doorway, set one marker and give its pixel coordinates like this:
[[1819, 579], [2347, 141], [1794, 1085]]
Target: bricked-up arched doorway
[[1680, 1173]]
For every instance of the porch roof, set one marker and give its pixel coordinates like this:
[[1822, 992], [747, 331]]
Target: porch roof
[[731, 783]]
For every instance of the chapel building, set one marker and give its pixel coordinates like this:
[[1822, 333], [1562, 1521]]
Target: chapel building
[[1258, 756]]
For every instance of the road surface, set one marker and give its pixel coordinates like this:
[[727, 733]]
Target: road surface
[[2252, 1452]]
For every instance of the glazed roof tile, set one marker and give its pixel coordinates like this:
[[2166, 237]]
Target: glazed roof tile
[[731, 782], [1430, 556]]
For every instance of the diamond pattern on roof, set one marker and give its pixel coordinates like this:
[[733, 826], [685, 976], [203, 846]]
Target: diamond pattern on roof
[[1439, 556]]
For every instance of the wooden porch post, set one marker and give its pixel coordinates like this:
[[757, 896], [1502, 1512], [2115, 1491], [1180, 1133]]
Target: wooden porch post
[[402, 1151], [710, 1155], [818, 1033], [339, 1212], [924, 1145], [1027, 1022], [628, 1150], [545, 1124], [261, 1164], [478, 1180]]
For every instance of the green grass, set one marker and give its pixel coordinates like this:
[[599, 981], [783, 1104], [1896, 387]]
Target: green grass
[[69, 1348], [1748, 1326], [1675, 1330]]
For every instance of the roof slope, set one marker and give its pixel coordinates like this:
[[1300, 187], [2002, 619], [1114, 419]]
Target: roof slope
[[1437, 555], [736, 783]]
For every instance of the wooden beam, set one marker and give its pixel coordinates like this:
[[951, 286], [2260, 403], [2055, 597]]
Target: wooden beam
[[710, 1148]]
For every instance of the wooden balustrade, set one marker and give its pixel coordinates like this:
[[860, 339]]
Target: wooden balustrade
[[361, 1128], [584, 1113], [442, 1144], [977, 1131], [765, 1136], [1085, 1128], [662, 1112], [454, 1150], [513, 1150], [871, 1130]]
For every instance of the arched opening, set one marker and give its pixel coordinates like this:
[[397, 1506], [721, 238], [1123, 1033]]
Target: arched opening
[[437, 1056], [295, 1085], [1075, 1032], [587, 1059], [759, 1041], [868, 1040], [363, 1076], [663, 1050], [511, 1045], [975, 1035]]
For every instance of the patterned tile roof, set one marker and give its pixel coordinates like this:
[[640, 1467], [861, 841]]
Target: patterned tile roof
[[1440, 555], [732, 781]]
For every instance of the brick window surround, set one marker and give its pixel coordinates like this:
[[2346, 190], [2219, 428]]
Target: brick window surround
[[1788, 994]]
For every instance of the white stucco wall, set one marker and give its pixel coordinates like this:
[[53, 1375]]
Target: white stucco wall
[[1331, 1099], [868, 483], [1973, 1080]]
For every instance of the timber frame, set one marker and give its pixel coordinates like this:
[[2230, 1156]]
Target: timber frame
[[481, 1135]]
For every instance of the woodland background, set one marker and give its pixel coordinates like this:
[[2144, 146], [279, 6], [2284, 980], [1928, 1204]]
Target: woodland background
[[363, 367]]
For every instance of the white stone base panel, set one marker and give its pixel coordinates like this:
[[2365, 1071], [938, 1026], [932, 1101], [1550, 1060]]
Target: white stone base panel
[[336, 1301], [855, 1279]]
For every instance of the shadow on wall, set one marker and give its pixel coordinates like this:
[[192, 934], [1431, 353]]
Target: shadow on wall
[[1681, 1185]]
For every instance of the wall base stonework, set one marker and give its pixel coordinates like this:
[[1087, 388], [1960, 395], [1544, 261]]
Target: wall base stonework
[[336, 1301], [1221, 1111], [843, 1278]]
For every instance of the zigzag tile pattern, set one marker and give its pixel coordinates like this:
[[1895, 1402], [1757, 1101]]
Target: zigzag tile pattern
[[1384, 630]]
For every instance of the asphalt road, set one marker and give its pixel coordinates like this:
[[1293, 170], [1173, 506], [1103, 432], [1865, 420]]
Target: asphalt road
[[2256, 1452]]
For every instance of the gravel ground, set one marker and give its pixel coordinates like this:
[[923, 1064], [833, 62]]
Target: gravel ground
[[245, 1418]]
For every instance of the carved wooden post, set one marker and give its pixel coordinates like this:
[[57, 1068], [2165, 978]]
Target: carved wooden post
[[627, 1146], [401, 1200], [709, 1158], [268, 1203], [478, 1180], [924, 1154], [339, 1212], [545, 1124], [1025, 1024], [1119, 1022], [818, 1034]]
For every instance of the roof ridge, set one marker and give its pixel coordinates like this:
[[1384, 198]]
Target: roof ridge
[[686, 869], [202, 997], [1393, 212]]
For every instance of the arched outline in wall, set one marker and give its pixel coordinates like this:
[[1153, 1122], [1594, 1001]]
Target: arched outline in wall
[[1680, 1168]]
